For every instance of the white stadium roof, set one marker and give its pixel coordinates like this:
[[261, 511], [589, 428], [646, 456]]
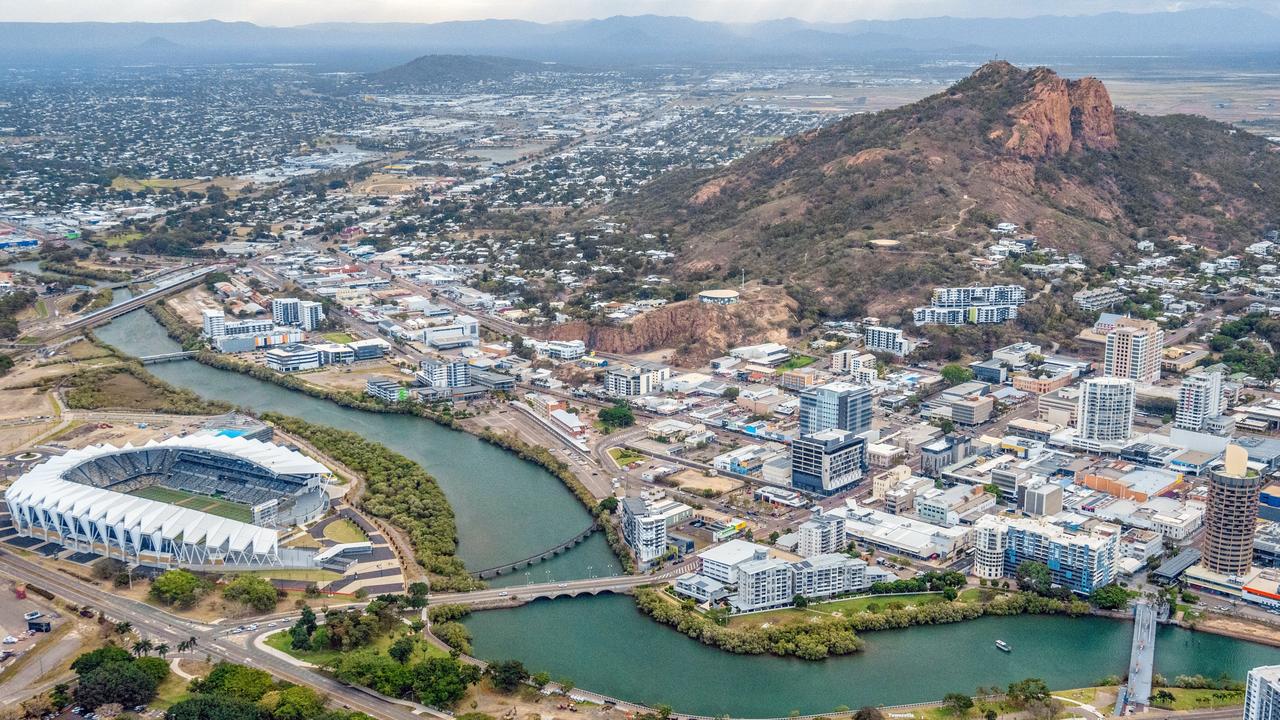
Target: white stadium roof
[[43, 488]]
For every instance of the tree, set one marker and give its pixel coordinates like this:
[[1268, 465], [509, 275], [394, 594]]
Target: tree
[[441, 682], [1029, 690], [116, 682], [800, 601], [507, 675], [231, 680], [213, 707], [958, 703], [296, 702], [1034, 576], [156, 667], [731, 392], [123, 628], [990, 714], [609, 505], [161, 649], [619, 415], [1109, 597], [946, 425], [91, 661], [866, 712], [402, 649], [178, 587], [253, 591], [142, 647], [540, 679], [418, 594], [955, 374]]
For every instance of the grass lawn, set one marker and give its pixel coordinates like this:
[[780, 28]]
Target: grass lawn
[[172, 690], [120, 239], [317, 576], [42, 310], [796, 362], [303, 541], [1196, 699], [344, 531], [281, 641], [848, 606], [338, 337], [623, 456], [980, 594]]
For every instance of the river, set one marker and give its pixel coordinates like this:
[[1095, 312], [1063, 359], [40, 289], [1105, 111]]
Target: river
[[507, 509], [604, 644]]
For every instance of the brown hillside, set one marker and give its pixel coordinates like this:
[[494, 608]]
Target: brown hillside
[[1026, 146]]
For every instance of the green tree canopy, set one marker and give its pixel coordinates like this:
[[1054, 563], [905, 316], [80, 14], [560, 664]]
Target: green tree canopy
[[253, 591], [91, 661], [955, 374], [178, 587], [116, 682]]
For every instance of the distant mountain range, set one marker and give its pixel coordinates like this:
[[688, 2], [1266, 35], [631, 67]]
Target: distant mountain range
[[648, 39]]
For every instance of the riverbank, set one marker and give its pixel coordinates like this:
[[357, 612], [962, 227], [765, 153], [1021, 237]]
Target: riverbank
[[188, 336], [820, 637]]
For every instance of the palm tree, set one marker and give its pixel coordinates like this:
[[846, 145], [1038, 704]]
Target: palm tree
[[162, 649], [123, 628], [142, 647]]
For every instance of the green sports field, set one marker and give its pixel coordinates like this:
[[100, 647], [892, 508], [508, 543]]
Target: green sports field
[[203, 503]]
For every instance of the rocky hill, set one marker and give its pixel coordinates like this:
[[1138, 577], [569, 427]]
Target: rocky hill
[[448, 70], [811, 212]]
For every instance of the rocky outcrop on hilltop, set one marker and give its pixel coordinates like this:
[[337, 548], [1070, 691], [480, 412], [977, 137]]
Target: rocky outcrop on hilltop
[[1061, 116]]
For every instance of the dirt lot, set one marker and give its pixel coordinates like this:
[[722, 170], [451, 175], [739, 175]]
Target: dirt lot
[[191, 303], [352, 378], [1234, 627], [23, 403], [695, 480], [387, 184]]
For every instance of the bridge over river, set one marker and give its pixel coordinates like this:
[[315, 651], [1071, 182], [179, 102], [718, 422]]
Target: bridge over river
[[572, 542]]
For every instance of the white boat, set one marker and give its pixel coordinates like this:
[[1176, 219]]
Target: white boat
[[1004, 646]]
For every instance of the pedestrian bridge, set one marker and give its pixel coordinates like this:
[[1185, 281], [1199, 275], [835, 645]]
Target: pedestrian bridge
[[532, 560], [166, 357]]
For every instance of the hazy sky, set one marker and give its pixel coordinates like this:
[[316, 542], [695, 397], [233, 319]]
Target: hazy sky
[[294, 12]]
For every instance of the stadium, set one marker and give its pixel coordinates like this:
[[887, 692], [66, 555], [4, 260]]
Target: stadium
[[207, 500]]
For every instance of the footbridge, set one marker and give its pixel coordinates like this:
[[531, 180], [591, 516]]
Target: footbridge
[[1137, 691], [532, 560], [167, 357]]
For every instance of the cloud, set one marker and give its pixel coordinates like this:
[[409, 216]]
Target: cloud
[[294, 12]]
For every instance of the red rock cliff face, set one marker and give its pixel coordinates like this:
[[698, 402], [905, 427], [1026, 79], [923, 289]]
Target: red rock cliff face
[[1061, 116]]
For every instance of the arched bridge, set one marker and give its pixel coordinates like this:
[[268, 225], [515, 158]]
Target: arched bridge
[[532, 560]]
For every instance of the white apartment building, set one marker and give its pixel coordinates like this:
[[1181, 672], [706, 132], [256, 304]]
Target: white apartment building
[[1133, 351], [764, 583], [823, 576], [886, 339], [444, 374], [822, 535], [847, 361], [310, 314], [721, 562], [1262, 693], [645, 531], [1105, 412], [1078, 561], [286, 311], [1199, 398], [215, 323], [635, 380]]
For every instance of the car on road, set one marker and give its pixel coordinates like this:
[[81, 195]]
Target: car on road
[[502, 594], [34, 614], [562, 585]]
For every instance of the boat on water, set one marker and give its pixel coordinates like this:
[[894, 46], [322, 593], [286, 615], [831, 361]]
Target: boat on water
[[1003, 646]]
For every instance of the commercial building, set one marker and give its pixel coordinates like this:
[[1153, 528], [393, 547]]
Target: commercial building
[[1262, 693], [821, 535], [1199, 400], [1134, 350], [950, 506], [903, 536], [844, 362], [770, 354], [1105, 412], [886, 339], [1231, 515], [827, 462], [1043, 500], [562, 349], [837, 405], [1078, 561], [293, 358], [644, 530]]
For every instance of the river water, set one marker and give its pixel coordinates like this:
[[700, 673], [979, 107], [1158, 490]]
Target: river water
[[508, 509], [604, 644]]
